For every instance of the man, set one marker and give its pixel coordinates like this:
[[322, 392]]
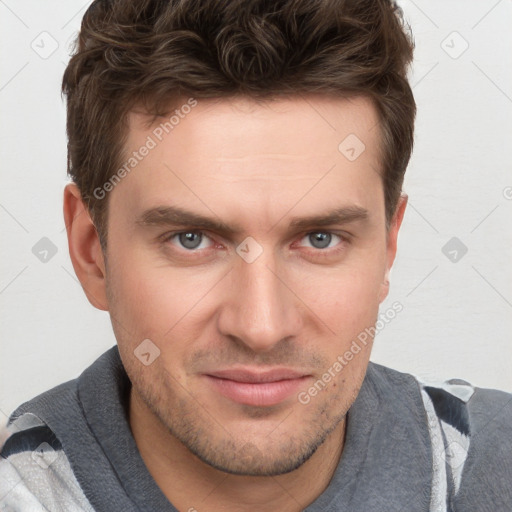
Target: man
[[235, 207]]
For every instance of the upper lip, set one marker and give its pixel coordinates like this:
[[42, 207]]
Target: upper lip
[[257, 376]]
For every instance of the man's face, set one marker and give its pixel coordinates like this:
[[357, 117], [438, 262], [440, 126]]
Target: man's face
[[268, 299]]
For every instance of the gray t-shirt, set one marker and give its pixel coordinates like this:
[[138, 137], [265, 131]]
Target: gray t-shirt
[[410, 446]]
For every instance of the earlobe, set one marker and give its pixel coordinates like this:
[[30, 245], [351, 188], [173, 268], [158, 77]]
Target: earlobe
[[384, 288], [85, 248]]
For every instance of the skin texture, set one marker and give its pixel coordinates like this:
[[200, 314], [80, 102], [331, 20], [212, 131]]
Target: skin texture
[[299, 306]]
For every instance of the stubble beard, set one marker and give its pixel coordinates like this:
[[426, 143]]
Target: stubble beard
[[201, 431]]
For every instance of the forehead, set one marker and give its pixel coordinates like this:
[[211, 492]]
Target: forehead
[[213, 125], [259, 157]]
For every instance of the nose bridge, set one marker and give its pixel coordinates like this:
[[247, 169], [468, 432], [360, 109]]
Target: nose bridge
[[261, 310]]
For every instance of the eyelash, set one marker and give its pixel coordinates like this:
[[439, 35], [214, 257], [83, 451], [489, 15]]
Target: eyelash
[[328, 252]]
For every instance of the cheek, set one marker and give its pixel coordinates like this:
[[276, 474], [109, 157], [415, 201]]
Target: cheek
[[154, 301], [348, 295], [138, 297], [347, 303]]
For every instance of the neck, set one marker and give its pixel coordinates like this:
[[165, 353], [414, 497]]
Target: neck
[[191, 485]]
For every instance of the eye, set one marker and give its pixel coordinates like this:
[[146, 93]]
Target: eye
[[191, 240], [321, 239]]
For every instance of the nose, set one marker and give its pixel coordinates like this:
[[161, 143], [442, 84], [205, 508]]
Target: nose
[[260, 308]]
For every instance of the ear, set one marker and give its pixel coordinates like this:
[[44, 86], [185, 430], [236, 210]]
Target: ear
[[84, 247], [391, 243]]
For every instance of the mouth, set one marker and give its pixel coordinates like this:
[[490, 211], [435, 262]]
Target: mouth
[[257, 388]]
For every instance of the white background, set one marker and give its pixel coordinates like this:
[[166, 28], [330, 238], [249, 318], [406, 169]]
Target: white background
[[457, 316]]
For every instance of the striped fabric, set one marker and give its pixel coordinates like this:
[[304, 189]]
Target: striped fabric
[[449, 429], [35, 474]]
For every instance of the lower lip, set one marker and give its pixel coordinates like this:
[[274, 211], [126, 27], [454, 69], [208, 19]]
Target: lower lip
[[262, 394]]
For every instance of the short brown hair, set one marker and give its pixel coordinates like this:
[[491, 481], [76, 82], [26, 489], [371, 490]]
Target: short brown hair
[[150, 52]]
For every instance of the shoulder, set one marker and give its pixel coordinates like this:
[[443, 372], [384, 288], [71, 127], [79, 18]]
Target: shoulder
[[470, 409], [488, 468], [35, 473], [471, 436], [483, 414], [28, 426]]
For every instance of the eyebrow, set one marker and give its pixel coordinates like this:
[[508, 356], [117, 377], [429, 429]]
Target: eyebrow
[[175, 216]]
